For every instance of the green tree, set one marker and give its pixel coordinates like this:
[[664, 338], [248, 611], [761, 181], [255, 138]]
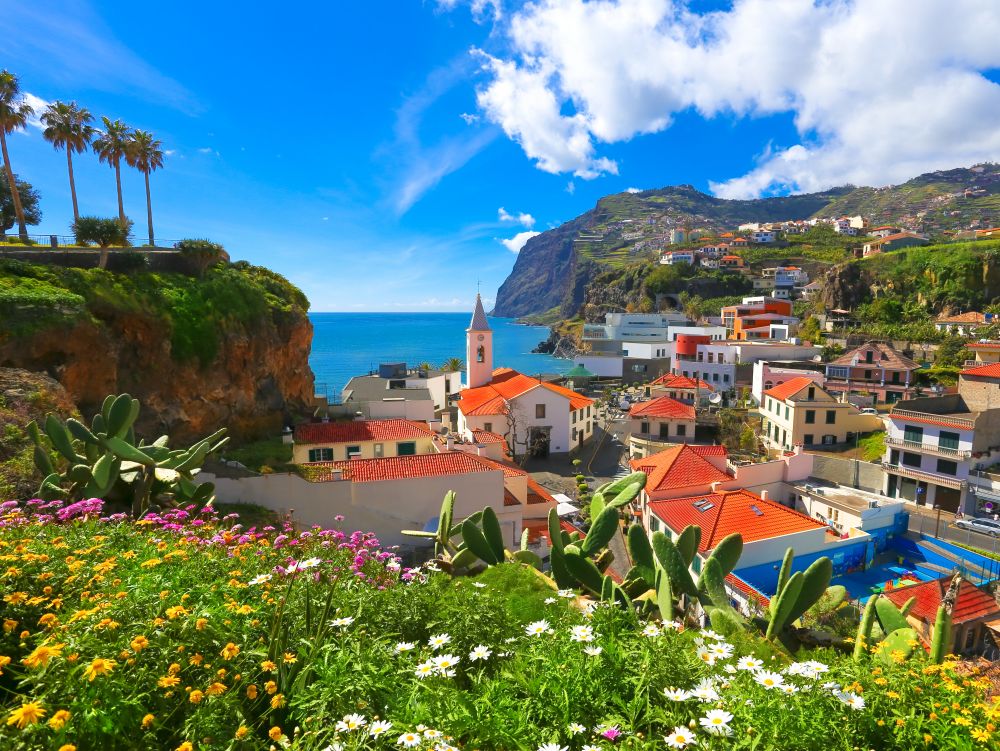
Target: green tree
[[201, 254], [810, 330], [730, 430], [748, 439], [951, 353], [453, 364], [145, 154], [67, 126], [29, 203], [14, 114], [110, 146], [104, 232]]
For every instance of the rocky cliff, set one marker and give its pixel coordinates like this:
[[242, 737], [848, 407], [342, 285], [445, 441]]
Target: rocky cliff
[[227, 350]]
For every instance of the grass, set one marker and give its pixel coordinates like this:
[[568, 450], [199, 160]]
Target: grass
[[271, 453], [872, 446]]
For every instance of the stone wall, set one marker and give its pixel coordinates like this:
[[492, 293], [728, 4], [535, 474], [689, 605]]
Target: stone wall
[[869, 476], [160, 259]]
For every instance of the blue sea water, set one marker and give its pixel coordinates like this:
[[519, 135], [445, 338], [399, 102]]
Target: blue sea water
[[349, 344]]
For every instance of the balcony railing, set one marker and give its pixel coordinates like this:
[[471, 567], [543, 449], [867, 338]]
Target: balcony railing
[[930, 477], [929, 448], [958, 422]]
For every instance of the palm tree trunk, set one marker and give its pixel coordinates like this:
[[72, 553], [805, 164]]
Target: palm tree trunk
[[118, 182], [149, 210], [22, 228], [103, 263], [72, 184]]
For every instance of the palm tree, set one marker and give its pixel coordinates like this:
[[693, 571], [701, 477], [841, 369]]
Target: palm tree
[[111, 145], [145, 153], [453, 365], [67, 126], [14, 114]]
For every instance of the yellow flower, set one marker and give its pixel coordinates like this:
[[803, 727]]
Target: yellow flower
[[139, 643], [9, 625], [27, 714], [274, 733], [216, 689], [147, 721], [177, 611], [196, 659], [99, 666], [230, 651], [4, 662], [289, 658], [892, 694], [59, 719], [174, 668], [151, 562], [201, 623], [278, 701], [928, 737], [252, 691], [15, 598], [168, 681], [268, 666], [195, 696], [67, 747], [980, 735], [41, 655], [270, 687], [48, 620], [964, 721], [881, 681], [242, 732], [186, 746]]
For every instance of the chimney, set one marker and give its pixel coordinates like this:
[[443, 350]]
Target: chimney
[[450, 442], [763, 495], [715, 486]]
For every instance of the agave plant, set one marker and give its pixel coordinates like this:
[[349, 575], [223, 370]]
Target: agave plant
[[105, 461]]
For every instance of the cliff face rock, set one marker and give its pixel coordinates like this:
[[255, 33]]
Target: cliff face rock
[[845, 287], [246, 370]]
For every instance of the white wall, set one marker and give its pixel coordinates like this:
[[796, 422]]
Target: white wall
[[406, 409], [557, 418], [605, 367]]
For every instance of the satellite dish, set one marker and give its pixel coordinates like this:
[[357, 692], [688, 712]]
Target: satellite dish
[[715, 398]]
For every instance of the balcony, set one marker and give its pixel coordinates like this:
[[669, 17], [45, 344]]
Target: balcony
[[928, 477], [927, 448], [948, 420]]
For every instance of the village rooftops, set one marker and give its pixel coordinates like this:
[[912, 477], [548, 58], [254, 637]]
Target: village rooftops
[[373, 388], [721, 514], [361, 430], [884, 356], [681, 466], [406, 467], [790, 388], [847, 498], [972, 603], [663, 407], [671, 381], [969, 317], [508, 384], [949, 410], [991, 371]]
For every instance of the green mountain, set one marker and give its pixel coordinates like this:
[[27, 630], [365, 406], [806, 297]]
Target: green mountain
[[555, 269]]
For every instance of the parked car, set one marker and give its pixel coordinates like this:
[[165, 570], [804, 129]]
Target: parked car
[[984, 526], [869, 411]]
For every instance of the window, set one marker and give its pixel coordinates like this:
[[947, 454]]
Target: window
[[947, 467], [810, 416], [379, 450], [808, 439], [868, 375], [654, 524], [353, 451], [540, 411], [574, 418], [722, 358], [711, 356], [664, 430], [895, 377], [644, 428], [831, 416], [480, 354], [786, 411], [812, 393], [681, 430], [321, 455], [588, 411], [488, 427], [715, 377], [948, 440], [911, 460], [868, 356], [912, 434], [406, 448], [836, 372], [725, 377]]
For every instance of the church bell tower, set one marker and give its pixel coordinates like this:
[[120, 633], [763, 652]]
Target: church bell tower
[[478, 349]]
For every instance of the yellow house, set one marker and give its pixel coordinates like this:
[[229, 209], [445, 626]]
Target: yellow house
[[800, 411], [361, 439]]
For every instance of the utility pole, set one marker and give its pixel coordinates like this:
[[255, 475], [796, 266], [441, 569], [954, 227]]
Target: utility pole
[[937, 525]]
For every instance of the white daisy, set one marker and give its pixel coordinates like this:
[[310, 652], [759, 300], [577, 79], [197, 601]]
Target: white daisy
[[716, 721], [651, 630], [408, 740], [749, 663], [575, 728], [706, 655], [405, 646], [444, 747], [673, 626], [788, 688], [480, 653], [342, 622], [721, 650], [444, 663], [590, 747], [432, 734], [768, 679], [680, 737], [438, 640], [552, 747], [351, 722], [310, 563], [479, 585], [549, 600], [378, 727], [259, 580], [424, 670], [851, 699], [582, 633], [676, 694], [567, 593], [537, 628], [592, 650], [710, 634], [705, 692], [729, 668]]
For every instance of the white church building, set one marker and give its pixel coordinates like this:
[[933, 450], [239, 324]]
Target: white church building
[[533, 416]]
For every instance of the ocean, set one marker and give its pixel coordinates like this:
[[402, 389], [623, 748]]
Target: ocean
[[350, 344]]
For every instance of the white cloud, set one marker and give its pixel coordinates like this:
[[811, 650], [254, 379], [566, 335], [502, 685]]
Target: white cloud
[[38, 105], [170, 152], [515, 243], [633, 190], [880, 90], [481, 9], [469, 118], [525, 220], [571, 187]]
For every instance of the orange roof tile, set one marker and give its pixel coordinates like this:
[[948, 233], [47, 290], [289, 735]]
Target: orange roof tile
[[404, 467], [485, 436], [538, 494], [733, 511], [508, 384], [789, 388], [983, 371], [361, 430], [663, 406], [969, 317], [972, 602], [671, 381], [681, 467]]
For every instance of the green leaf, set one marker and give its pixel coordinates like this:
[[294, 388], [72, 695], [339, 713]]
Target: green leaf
[[815, 580], [128, 452], [528, 558], [889, 615], [476, 542], [670, 558], [555, 531], [783, 602], [687, 542], [629, 494], [493, 533], [60, 438], [118, 416], [728, 552], [602, 529], [80, 431], [664, 595], [712, 580], [102, 470], [42, 461], [597, 505], [585, 571]]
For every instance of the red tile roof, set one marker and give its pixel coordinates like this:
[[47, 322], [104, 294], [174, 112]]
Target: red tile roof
[[748, 590], [538, 494], [969, 317], [508, 384], [789, 388], [972, 602], [681, 467], [663, 406], [983, 371], [983, 345], [485, 436], [671, 381], [404, 467], [884, 357], [361, 430], [731, 512]]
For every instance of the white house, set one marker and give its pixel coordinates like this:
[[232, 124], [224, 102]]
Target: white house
[[762, 236], [675, 257], [534, 416]]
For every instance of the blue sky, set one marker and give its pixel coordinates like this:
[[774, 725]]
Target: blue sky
[[365, 149]]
